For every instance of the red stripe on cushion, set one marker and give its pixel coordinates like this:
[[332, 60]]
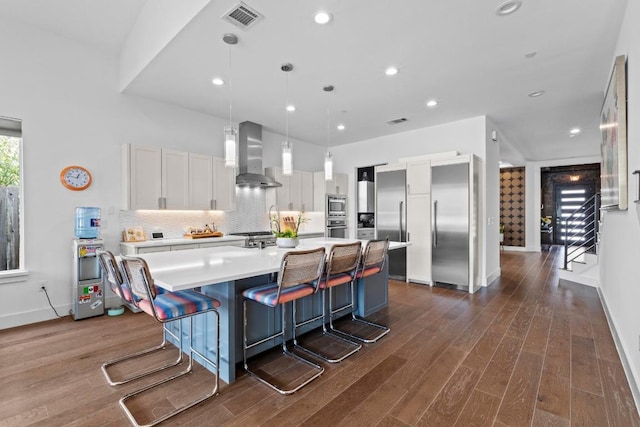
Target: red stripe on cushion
[[369, 271]]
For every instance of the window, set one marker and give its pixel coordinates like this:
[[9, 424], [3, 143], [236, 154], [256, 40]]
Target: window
[[10, 195]]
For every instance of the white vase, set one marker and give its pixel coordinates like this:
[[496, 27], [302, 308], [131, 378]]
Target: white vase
[[287, 242]]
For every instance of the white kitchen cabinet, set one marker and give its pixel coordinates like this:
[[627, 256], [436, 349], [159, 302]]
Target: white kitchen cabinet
[[224, 186], [296, 193], [201, 181], [142, 177], [175, 179], [175, 245], [419, 177], [157, 178], [321, 187], [419, 234]]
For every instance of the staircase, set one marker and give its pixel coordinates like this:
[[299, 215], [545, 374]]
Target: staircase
[[581, 237]]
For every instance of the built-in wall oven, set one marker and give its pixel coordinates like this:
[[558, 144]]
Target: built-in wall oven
[[336, 206], [336, 215], [336, 227]]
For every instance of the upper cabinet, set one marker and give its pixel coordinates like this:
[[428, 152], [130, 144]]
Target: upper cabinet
[[419, 177], [321, 187], [296, 193], [142, 177], [157, 178]]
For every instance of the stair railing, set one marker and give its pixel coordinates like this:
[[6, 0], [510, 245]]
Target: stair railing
[[588, 216]]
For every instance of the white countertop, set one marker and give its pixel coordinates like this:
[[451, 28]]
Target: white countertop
[[179, 270], [182, 241]]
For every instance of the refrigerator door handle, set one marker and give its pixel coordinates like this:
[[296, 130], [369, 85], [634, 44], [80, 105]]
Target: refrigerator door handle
[[400, 209], [434, 224]]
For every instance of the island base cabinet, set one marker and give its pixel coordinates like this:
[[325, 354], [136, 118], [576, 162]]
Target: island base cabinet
[[371, 295]]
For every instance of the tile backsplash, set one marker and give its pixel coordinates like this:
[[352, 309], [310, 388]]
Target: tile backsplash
[[250, 215]]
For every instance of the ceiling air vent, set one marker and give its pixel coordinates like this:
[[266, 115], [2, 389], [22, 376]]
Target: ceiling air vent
[[242, 16], [397, 121]]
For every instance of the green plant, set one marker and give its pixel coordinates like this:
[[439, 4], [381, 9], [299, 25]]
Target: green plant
[[501, 228], [287, 226]]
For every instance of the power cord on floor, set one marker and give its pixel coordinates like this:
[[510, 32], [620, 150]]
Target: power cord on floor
[[49, 299]]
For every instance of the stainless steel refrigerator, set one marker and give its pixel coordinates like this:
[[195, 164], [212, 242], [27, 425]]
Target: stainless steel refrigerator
[[391, 215], [450, 225]]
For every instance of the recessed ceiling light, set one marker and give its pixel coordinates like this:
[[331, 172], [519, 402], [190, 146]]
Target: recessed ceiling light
[[340, 127], [508, 7], [217, 81], [322, 17], [291, 108], [575, 131], [391, 71], [536, 93], [432, 103]]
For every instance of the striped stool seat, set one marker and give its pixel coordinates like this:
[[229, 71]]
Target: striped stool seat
[[342, 264], [299, 276], [368, 271], [268, 294], [371, 263], [114, 278], [335, 280], [172, 305]]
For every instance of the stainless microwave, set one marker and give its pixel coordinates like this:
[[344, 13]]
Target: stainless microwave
[[336, 205]]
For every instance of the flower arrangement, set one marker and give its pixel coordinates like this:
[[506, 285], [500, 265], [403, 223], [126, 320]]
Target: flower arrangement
[[286, 226]]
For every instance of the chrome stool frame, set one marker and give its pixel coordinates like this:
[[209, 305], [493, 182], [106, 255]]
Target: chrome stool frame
[[113, 276], [141, 282], [372, 263], [342, 267], [299, 276]]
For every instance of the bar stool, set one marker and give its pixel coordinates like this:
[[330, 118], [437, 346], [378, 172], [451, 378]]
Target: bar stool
[[342, 267], [113, 277], [167, 307], [375, 253], [299, 276]]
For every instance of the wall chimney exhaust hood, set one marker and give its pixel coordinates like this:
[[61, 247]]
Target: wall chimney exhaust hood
[[250, 158]]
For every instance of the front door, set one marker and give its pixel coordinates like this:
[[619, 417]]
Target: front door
[[568, 198]]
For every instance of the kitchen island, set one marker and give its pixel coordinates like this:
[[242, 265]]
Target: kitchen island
[[224, 272]]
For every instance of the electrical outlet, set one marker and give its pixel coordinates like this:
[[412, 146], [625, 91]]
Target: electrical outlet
[[42, 286]]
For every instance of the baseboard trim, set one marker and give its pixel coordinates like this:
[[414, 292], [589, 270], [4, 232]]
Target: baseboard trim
[[45, 313], [516, 249], [623, 356], [493, 276]]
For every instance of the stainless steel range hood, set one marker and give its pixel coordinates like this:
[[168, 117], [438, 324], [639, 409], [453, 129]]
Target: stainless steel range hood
[[250, 158]]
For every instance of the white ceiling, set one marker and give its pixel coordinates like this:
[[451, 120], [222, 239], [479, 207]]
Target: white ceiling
[[457, 51]]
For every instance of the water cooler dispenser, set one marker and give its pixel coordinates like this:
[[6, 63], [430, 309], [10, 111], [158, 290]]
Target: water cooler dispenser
[[87, 283]]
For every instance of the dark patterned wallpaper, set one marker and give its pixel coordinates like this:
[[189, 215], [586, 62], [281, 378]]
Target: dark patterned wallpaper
[[512, 205]]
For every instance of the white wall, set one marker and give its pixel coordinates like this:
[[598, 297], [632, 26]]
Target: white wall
[[66, 94], [620, 243], [468, 136]]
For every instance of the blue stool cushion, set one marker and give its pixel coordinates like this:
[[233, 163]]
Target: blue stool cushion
[[171, 305], [268, 294]]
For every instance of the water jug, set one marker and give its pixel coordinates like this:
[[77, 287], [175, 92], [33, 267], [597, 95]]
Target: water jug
[[87, 222]]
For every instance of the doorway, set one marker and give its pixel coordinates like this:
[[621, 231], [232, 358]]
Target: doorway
[[568, 198]]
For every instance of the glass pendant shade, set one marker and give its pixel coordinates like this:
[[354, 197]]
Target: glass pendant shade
[[287, 158], [230, 147], [328, 167]]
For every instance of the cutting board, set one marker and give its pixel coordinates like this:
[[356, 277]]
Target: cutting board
[[203, 235]]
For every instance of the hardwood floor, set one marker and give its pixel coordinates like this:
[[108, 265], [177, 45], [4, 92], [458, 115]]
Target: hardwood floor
[[526, 351]]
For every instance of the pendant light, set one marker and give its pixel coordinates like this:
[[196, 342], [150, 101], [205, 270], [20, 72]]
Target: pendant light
[[328, 158], [287, 155], [230, 133]]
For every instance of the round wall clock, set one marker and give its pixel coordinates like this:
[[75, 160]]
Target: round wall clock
[[75, 178]]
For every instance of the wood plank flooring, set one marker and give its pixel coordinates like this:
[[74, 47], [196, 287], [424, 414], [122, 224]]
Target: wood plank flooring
[[526, 351]]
